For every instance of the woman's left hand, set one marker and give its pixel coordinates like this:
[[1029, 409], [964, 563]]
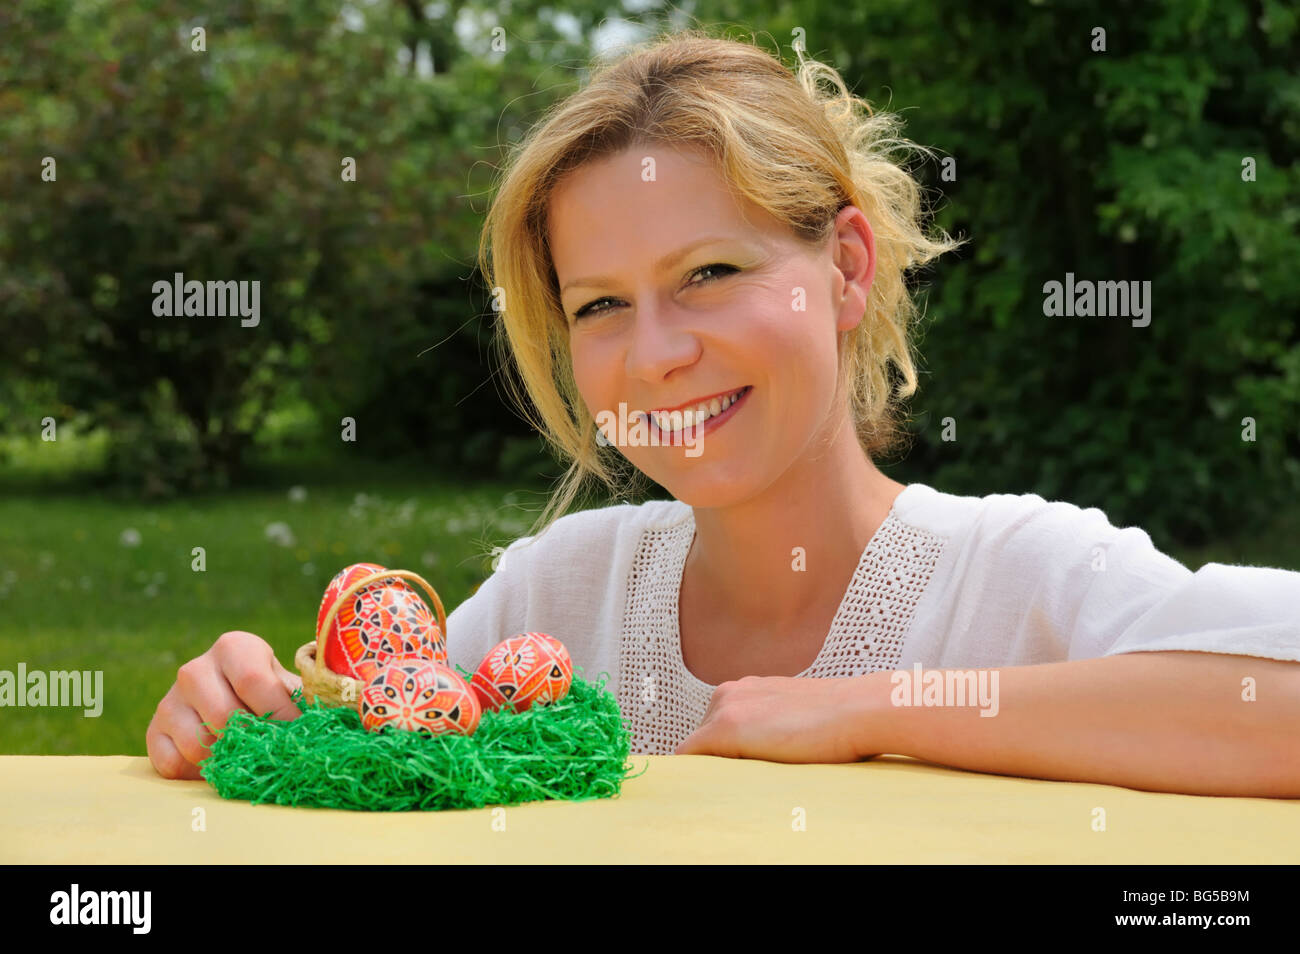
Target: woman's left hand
[[784, 719]]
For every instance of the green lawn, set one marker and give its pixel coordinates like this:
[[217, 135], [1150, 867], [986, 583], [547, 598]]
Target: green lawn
[[78, 592]]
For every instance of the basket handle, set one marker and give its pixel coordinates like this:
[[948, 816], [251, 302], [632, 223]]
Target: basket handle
[[359, 584]]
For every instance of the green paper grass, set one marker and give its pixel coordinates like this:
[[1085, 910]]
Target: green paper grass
[[575, 749]]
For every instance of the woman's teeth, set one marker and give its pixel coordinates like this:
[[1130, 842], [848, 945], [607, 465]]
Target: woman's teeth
[[677, 420]]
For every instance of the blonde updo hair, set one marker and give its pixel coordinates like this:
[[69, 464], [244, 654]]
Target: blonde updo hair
[[797, 150]]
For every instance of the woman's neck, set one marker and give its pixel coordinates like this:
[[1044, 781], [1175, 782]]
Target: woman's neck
[[790, 551]]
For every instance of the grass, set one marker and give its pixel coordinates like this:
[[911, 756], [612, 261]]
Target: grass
[[78, 592]]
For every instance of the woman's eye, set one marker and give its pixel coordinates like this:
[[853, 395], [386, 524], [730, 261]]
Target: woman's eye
[[705, 268], [589, 309], [592, 309]]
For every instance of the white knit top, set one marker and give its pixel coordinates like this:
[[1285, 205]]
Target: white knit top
[[947, 581]]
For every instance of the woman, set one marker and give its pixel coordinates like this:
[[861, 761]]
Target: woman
[[699, 259]]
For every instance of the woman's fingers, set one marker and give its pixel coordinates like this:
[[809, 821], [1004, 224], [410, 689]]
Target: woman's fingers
[[239, 673], [173, 740], [255, 675], [203, 687], [166, 758]]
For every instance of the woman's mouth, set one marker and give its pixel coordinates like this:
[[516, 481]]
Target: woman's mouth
[[678, 427]]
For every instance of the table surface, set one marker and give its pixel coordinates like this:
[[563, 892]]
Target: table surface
[[686, 808]]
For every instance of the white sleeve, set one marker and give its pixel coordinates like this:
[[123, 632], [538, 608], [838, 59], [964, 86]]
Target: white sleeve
[[1222, 608], [1033, 581], [570, 581], [495, 611], [1135, 598]]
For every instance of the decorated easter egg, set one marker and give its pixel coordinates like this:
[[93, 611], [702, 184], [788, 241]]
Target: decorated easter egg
[[419, 695], [382, 620], [522, 670]]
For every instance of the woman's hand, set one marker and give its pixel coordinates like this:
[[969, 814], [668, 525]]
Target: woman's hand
[[783, 719], [239, 673]]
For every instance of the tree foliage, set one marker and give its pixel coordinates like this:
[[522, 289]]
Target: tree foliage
[[1117, 165], [1122, 165]]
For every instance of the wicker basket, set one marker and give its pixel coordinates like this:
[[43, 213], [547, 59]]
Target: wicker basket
[[336, 689]]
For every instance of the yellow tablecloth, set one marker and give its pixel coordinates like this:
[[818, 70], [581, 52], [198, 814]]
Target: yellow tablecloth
[[115, 809]]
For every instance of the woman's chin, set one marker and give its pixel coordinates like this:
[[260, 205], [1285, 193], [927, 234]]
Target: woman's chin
[[710, 486]]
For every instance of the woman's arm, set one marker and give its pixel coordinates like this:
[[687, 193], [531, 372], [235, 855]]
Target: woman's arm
[[1190, 722], [1187, 722]]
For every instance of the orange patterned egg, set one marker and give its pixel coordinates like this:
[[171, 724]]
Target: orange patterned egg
[[522, 670], [419, 695], [382, 620]]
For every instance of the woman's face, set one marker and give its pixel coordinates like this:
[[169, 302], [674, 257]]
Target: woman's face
[[766, 317]]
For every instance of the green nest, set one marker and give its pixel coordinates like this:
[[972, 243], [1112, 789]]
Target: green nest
[[575, 749]]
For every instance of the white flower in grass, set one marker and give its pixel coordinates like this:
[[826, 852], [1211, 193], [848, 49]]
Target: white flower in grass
[[130, 537], [279, 533], [297, 494]]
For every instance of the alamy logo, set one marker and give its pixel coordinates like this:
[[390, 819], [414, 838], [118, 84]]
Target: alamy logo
[[59, 687], [976, 688], [1085, 299], [179, 298], [102, 907], [635, 429]]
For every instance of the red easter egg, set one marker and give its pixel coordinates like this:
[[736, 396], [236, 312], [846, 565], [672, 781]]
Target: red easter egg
[[522, 670], [382, 620], [419, 695], [341, 580]]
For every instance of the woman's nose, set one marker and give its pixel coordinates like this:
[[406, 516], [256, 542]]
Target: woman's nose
[[662, 340]]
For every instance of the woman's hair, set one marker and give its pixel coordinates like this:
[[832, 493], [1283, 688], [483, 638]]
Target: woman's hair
[[797, 150]]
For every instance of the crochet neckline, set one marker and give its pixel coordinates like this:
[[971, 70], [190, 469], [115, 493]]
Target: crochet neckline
[[679, 571]]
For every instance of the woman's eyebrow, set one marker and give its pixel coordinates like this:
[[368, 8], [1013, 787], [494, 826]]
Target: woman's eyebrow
[[668, 261]]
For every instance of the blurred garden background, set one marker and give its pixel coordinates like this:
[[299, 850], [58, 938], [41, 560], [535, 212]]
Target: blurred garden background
[[1169, 157]]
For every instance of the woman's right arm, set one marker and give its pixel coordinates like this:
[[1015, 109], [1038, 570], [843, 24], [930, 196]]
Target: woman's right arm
[[239, 673]]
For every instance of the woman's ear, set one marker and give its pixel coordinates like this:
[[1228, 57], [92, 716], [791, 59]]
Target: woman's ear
[[855, 257]]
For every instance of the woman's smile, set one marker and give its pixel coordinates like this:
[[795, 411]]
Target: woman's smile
[[679, 427]]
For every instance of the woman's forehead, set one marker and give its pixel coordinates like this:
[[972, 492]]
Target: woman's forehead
[[649, 196]]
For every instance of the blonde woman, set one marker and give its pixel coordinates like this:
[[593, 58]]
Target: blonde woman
[[699, 262]]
